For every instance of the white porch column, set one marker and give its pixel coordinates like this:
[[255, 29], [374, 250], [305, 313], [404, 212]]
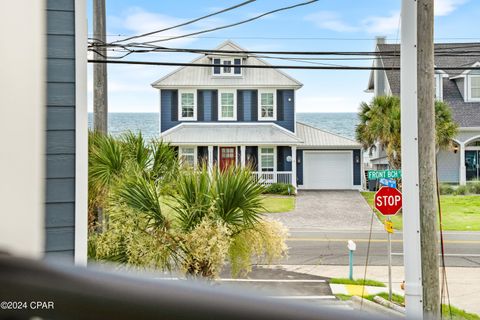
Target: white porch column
[[210, 157], [242, 156], [463, 172], [294, 167]]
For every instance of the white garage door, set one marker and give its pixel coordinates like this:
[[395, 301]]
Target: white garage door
[[327, 170]]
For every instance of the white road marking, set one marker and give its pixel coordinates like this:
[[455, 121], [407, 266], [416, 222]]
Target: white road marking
[[274, 280], [304, 297], [474, 255]]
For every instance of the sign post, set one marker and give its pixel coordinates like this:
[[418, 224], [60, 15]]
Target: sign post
[[351, 248], [388, 201]]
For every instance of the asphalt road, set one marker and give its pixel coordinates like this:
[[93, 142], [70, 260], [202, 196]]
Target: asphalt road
[[312, 247]]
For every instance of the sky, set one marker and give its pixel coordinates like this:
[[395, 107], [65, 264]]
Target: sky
[[326, 25]]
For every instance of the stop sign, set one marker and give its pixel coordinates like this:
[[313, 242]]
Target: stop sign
[[388, 201]]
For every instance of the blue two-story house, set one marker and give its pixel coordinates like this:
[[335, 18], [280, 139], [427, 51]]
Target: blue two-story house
[[228, 115]]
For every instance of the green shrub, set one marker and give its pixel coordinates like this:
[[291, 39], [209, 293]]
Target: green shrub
[[461, 191], [446, 189], [474, 187], [280, 188]]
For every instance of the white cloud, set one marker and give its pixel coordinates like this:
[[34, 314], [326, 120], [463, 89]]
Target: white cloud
[[136, 21], [330, 20], [383, 25], [445, 7]]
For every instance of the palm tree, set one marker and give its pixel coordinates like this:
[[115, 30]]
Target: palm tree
[[380, 124]]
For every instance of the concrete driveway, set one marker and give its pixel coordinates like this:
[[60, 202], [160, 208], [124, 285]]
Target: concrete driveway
[[329, 210]]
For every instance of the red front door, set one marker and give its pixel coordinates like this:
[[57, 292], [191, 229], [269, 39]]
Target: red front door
[[227, 157]]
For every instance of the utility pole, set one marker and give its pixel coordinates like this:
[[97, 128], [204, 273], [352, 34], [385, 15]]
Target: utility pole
[[100, 95], [418, 161], [427, 160]]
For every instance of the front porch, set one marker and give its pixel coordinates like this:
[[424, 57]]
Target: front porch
[[269, 164]]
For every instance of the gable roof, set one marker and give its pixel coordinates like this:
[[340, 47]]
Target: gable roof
[[188, 76], [466, 114], [314, 137]]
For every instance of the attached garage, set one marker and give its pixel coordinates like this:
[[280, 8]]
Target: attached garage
[[327, 170], [327, 161]]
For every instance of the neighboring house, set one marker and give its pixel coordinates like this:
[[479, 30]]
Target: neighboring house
[[227, 115], [67, 131], [459, 88]]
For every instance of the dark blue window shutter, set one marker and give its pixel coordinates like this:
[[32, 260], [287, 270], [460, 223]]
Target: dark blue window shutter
[[237, 62], [240, 105], [216, 69], [200, 105], [214, 105], [255, 105], [280, 106], [174, 105]]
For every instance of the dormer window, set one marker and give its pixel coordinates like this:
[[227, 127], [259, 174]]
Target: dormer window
[[438, 87], [474, 87], [227, 66]]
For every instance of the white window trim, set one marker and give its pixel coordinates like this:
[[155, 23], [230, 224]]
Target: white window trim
[[195, 154], [438, 87], [469, 87], [259, 103], [195, 107], [232, 65], [259, 156], [219, 104]]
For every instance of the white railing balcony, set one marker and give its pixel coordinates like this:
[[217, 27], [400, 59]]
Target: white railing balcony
[[270, 177]]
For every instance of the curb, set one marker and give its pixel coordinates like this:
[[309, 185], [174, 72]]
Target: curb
[[372, 307]]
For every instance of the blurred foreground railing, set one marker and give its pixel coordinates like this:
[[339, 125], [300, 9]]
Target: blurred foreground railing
[[79, 293]]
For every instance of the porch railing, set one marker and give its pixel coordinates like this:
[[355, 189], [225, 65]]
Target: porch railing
[[273, 177]]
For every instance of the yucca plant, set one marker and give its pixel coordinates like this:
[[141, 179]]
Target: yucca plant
[[193, 198], [237, 197]]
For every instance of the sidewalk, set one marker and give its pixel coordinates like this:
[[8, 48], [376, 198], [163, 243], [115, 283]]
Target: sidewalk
[[463, 283]]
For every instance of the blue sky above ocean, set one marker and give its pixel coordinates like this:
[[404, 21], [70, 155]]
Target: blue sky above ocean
[[327, 25]]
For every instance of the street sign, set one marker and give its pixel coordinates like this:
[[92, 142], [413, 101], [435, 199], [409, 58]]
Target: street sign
[[388, 174], [388, 182], [388, 226], [388, 201]]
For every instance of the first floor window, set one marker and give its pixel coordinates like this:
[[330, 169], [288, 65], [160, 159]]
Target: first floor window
[[267, 105], [475, 87], [187, 156], [267, 159], [227, 105], [187, 105]]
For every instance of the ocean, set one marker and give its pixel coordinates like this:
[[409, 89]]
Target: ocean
[[147, 123]]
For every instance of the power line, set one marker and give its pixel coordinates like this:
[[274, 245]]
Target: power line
[[188, 22], [182, 64], [236, 23]]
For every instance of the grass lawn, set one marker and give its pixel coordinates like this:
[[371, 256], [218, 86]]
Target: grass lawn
[[457, 314], [461, 213], [368, 282], [275, 204]]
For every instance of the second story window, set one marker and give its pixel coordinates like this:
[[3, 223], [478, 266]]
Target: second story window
[[187, 105], [474, 88], [227, 105], [227, 66], [267, 105]]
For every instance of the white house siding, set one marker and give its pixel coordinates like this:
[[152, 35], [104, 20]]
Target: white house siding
[[448, 163]]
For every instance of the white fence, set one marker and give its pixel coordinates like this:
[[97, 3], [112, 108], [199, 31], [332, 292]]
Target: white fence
[[273, 177]]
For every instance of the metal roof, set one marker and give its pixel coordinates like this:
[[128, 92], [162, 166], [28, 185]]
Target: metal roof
[[229, 134], [188, 76], [315, 138]]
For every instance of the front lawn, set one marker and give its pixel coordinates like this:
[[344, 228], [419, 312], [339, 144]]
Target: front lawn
[[273, 204], [460, 213]]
